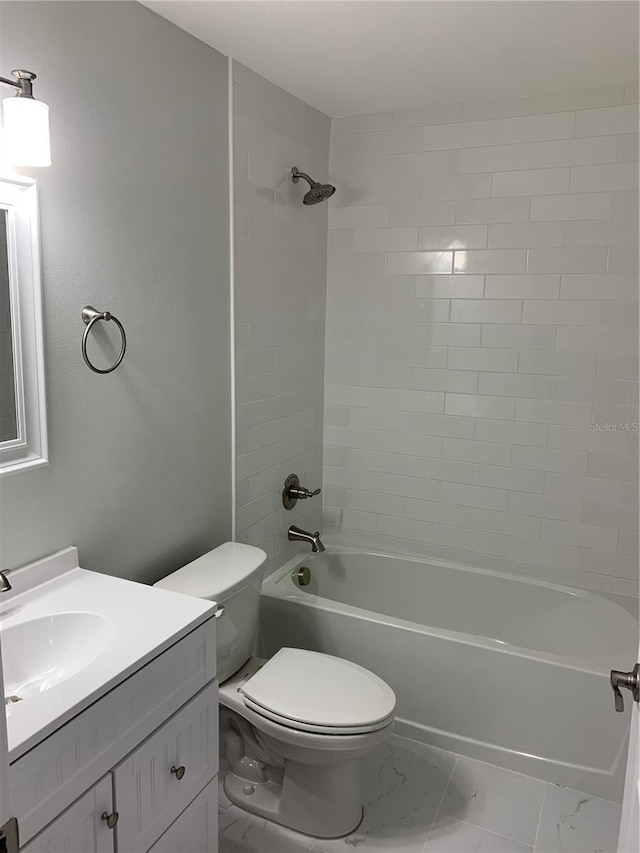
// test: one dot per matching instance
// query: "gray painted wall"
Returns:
(134, 219)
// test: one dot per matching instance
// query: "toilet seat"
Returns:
(319, 693)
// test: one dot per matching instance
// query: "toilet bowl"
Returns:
(294, 728)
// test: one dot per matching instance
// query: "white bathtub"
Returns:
(507, 670)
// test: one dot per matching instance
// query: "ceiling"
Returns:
(347, 57)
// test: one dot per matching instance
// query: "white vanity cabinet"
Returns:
(168, 781)
(156, 782)
(147, 750)
(80, 827)
(197, 827)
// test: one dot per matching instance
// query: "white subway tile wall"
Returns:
(481, 335)
(280, 290)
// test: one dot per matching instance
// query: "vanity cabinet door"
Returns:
(159, 779)
(79, 829)
(196, 830)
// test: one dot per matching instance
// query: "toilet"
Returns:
(294, 728)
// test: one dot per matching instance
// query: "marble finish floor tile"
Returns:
(240, 832)
(403, 783)
(573, 822)
(418, 799)
(455, 836)
(494, 799)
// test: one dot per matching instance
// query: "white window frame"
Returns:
(19, 197)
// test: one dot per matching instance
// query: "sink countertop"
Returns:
(144, 620)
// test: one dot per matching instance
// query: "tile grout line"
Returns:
(483, 828)
(492, 832)
(544, 797)
(437, 811)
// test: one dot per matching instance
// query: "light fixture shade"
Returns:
(26, 132)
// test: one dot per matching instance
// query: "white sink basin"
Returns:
(41, 653)
(69, 635)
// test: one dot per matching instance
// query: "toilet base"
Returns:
(317, 801)
(306, 781)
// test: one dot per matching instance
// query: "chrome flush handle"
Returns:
(628, 680)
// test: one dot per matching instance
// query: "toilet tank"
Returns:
(230, 575)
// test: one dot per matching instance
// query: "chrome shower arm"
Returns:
(296, 174)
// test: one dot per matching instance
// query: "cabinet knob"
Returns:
(178, 772)
(110, 819)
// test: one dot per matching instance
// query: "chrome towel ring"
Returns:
(91, 316)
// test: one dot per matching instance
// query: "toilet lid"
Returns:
(317, 692)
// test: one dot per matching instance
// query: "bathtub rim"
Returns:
(598, 665)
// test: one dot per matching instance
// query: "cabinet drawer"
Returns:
(196, 830)
(149, 793)
(80, 828)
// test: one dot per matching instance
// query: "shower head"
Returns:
(317, 193)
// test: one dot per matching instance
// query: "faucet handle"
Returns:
(293, 492)
(305, 493)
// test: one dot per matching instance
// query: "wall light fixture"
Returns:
(26, 123)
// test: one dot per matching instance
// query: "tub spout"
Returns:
(296, 534)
